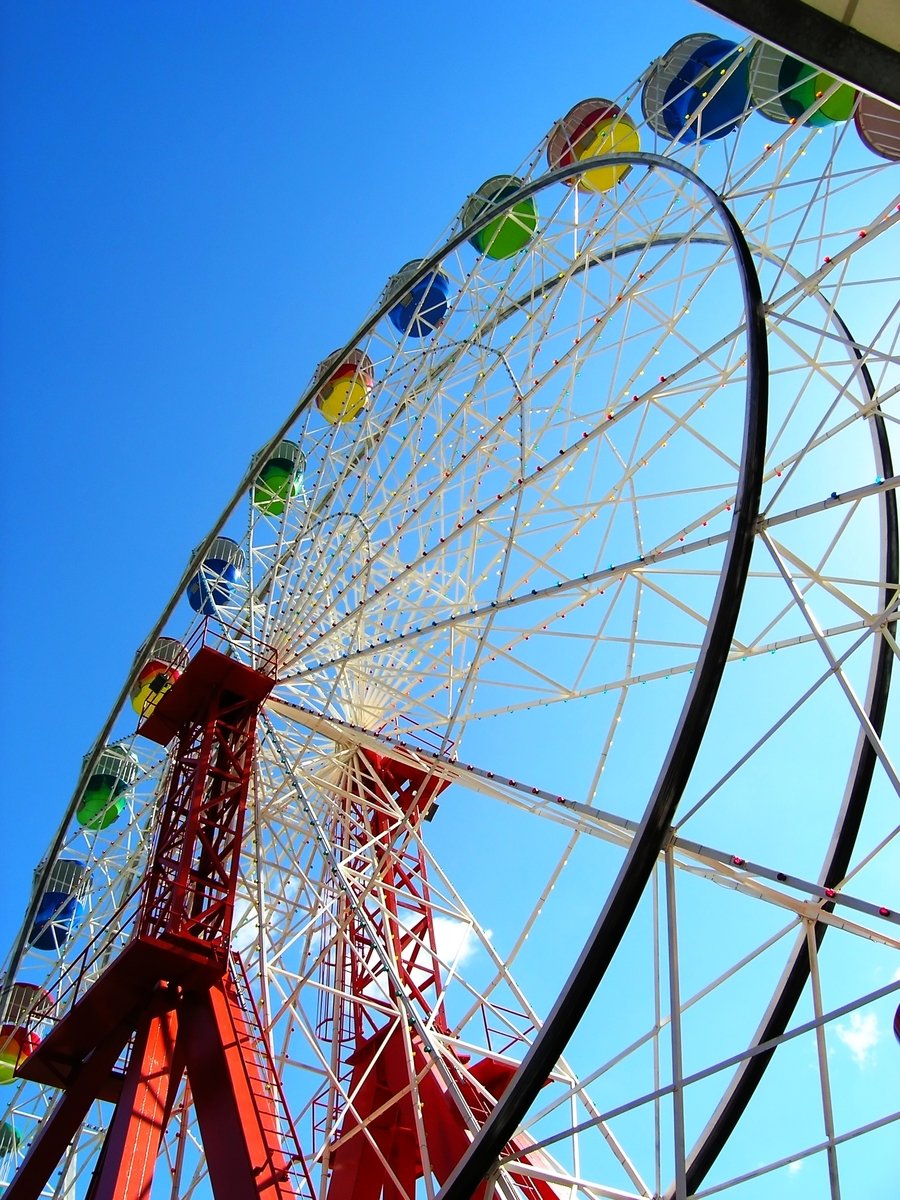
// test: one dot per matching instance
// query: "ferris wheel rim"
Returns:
(305, 401)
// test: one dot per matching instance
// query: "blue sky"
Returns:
(200, 202)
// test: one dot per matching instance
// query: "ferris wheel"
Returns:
(516, 754)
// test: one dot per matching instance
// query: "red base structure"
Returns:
(408, 1116)
(173, 993)
(379, 1155)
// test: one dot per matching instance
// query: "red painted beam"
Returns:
(135, 1134)
(234, 1098)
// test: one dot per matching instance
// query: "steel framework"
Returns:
(174, 997)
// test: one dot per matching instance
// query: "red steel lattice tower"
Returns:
(175, 996)
(407, 1113)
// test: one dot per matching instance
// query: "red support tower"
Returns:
(173, 997)
(385, 1069)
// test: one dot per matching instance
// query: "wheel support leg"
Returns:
(233, 1098)
(125, 1171)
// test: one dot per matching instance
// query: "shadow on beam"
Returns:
(839, 49)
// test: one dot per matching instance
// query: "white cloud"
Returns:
(860, 1036)
(794, 1167)
(455, 940)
